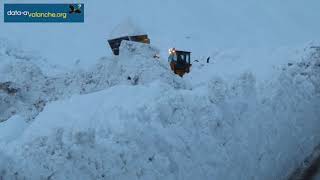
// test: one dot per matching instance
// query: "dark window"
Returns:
(180, 58)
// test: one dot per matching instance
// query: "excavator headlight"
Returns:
(171, 51)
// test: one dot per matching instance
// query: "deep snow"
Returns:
(251, 113)
(186, 24)
(36, 88)
(207, 125)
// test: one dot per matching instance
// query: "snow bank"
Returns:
(22, 70)
(11, 53)
(136, 65)
(222, 129)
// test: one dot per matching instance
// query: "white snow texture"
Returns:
(71, 111)
(157, 125)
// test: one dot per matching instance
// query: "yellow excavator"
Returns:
(179, 61)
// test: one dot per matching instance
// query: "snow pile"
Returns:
(12, 53)
(222, 129)
(136, 65)
(20, 71)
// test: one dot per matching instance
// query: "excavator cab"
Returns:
(179, 61)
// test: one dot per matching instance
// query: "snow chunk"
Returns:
(12, 128)
(130, 48)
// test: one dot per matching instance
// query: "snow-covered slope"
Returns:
(186, 24)
(35, 89)
(251, 113)
(164, 127)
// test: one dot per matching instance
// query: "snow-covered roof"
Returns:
(126, 28)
